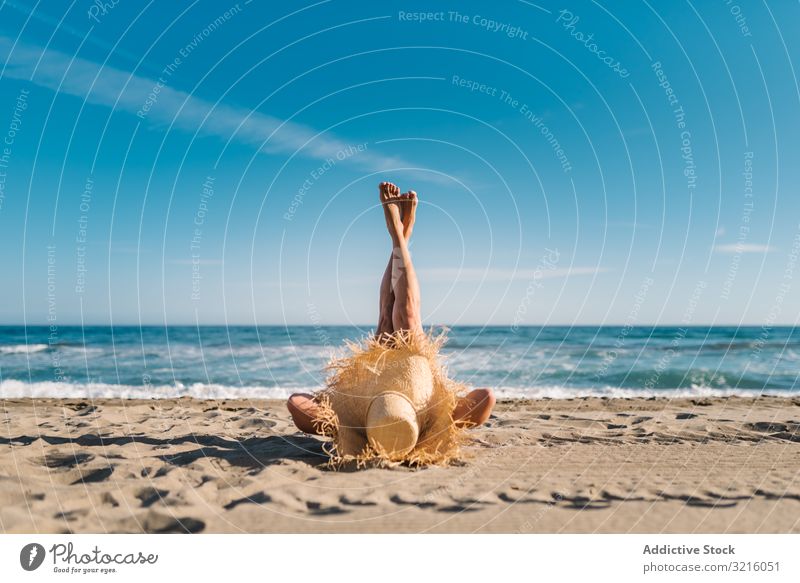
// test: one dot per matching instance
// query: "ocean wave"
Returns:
(562, 392)
(14, 389)
(22, 348)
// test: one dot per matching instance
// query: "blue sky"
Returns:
(577, 162)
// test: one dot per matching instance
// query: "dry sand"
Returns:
(575, 465)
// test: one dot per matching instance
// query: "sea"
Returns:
(213, 362)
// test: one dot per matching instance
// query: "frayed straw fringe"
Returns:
(439, 439)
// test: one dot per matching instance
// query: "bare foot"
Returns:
(390, 198)
(475, 408)
(408, 212)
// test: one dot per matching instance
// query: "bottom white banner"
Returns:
(354, 558)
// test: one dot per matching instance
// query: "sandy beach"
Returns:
(573, 465)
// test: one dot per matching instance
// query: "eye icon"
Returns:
(31, 556)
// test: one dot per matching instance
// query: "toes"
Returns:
(389, 190)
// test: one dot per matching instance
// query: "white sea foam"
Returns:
(14, 389)
(561, 392)
(22, 348)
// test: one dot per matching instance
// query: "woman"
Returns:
(399, 314)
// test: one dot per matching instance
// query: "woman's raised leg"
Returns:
(408, 213)
(399, 310)
(403, 277)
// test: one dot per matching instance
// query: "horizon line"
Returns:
(351, 325)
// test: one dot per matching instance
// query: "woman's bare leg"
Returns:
(471, 411)
(408, 212)
(302, 407)
(407, 302)
(304, 411)
(399, 310)
(475, 408)
(386, 304)
(404, 284)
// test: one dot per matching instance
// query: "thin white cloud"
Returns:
(630, 224)
(204, 262)
(480, 274)
(488, 274)
(111, 87)
(744, 248)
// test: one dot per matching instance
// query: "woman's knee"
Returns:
(483, 401)
(484, 397)
(475, 408)
(297, 400)
(304, 412)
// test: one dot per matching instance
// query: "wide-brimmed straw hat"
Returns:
(390, 400)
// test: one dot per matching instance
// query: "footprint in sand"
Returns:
(682, 416)
(108, 498)
(511, 499)
(399, 500)
(57, 459)
(256, 423)
(87, 476)
(323, 509)
(582, 502)
(149, 496)
(155, 523)
(71, 515)
(71, 468)
(703, 502)
(457, 508)
(348, 501)
(257, 498)
(767, 427)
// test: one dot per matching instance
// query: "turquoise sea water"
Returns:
(213, 362)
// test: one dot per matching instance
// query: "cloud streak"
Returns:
(123, 91)
(744, 248)
(477, 274)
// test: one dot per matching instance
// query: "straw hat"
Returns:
(391, 400)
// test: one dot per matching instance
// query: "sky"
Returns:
(577, 163)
